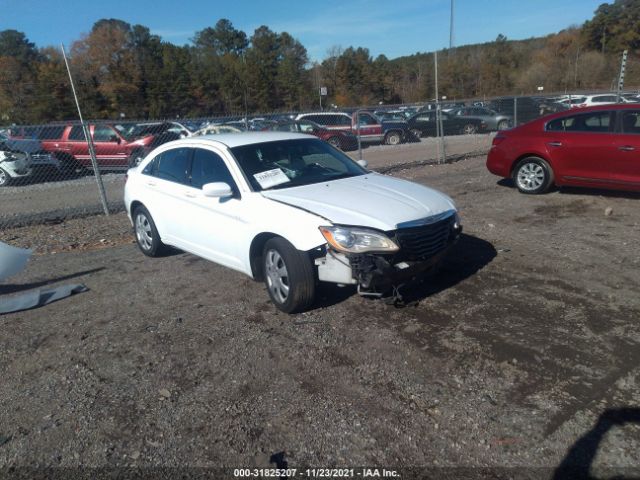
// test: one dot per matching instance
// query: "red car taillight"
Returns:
(498, 139)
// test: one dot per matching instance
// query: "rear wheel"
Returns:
(288, 275)
(147, 235)
(69, 167)
(334, 142)
(392, 138)
(135, 158)
(533, 175)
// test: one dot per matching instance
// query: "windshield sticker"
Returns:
(271, 178)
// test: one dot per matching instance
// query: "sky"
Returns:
(388, 27)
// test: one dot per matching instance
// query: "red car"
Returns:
(596, 147)
(338, 138)
(113, 149)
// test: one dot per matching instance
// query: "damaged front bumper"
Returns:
(421, 250)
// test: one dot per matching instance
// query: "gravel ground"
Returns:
(522, 354)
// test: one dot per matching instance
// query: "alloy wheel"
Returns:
(530, 176)
(144, 233)
(277, 276)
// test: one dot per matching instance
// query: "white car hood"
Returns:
(370, 200)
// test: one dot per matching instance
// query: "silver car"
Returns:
(23, 158)
(493, 119)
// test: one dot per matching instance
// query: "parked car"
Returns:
(589, 147)
(338, 138)
(423, 124)
(451, 106)
(592, 100)
(115, 150)
(21, 158)
(363, 123)
(524, 108)
(288, 209)
(493, 119)
(181, 130)
(216, 129)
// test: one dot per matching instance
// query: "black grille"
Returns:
(418, 243)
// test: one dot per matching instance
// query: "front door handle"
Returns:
(627, 148)
(555, 144)
(189, 194)
(151, 184)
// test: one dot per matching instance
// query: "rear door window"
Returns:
(173, 165)
(77, 133)
(596, 122)
(630, 122)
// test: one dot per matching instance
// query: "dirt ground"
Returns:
(522, 356)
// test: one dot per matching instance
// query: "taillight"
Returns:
(497, 140)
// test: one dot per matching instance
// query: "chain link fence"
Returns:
(46, 171)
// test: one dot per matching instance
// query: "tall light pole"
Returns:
(451, 28)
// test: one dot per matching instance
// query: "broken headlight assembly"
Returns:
(357, 240)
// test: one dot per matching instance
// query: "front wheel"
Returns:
(533, 176)
(334, 142)
(503, 125)
(416, 132)
(288, 275)
(392, 138)
(5, 179)
(469, 129)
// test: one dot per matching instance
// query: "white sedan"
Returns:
(288, 209)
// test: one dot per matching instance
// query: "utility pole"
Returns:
(623, 65)
(451, 27)
(439, 125)
(87, 136)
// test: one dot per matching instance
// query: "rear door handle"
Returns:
(627, 148)
(190, 194)
(555, 144)
(151, 184)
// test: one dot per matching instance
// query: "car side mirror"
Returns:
(217, 190)
(363, 163)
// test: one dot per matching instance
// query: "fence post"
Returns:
(515, 111)
(87, 136)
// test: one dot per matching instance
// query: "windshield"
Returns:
(291, 163)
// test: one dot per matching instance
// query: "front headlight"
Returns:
(358, 240)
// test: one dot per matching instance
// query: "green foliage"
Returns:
(614, 27)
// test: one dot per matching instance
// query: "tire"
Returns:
(469, 129)
(392, 138)
(147, 236)
(503, 125)
(5, 178)
(335, 142)
(69, 167)
(135, 158)
(533, 176)
(288, 275)
(416, 132)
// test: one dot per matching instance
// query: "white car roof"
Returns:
(232, 140)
